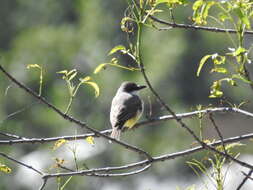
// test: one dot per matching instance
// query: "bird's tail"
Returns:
(115, 134)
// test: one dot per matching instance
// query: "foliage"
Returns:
(215, 174)
(81, 42)
(68, 76)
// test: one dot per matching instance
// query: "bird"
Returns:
(126, 108)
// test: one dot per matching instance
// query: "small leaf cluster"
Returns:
(229, 76)
(215, 162)
(231, 65)
(114, 61)
(36, 66)
(69, 76)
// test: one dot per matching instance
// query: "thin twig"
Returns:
(179, 120)
(190, 114)
(156, 159)
(218, 131)
(26, 140)
(94, 172)
(71, 119)
(122, 174)
(102, 175)
(43, 184)
(194, 27)
(247, 176)
(11, 135)
(21, 163)
(247, 75)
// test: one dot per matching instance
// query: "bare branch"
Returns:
(179, 120)
(51, 139)
(247, 75)
(218, 131)
(190, 114)
(193, 27)
(123, 174)
(26, 140)
(247, 176)
(11, 135)
(94, 172)
(43, 184)
(20, 163)
(71, 119)
(154, 160)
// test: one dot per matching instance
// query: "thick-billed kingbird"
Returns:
(126, 108)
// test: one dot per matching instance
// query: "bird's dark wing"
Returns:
(125, 107)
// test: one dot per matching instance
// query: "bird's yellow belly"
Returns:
(131, 122)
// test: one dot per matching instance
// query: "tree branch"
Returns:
(43, 184)
(71, 119)
(160, 158)
(194, 27)
(151, 121)
(218, 132)
(179, 120)
(20, 163)
(247, 176)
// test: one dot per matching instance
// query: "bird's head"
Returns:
(130, 87)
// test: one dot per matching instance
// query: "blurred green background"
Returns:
(78, 34)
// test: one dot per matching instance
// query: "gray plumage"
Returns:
(126, 105)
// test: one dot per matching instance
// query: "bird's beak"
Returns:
(141, 87)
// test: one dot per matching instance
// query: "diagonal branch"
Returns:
(179, 120)
(247, 176)
(194, 27)
(156, 159)
(71, 119)
(20, 163)
(11, 135)
(43, 184)
(218, 131)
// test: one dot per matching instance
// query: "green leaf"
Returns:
(95, 86)
(223, 17)
(171, 2)
(201, 10)
(123, 24)
(59, 143)
(153, 11)
(100, 67)
(216, 89)
(232, 82)
(114, 60)
(209, 4)
(202, 62)
(33, 66)
(71, 72)
(243, 17)
(90, 140)
(123, 67)
(85, 79)
(216, 94)
(197, 4)
(63, 72)
(239, 51)
(219, 70)
(232, 145)
(72, 76)
(218, 59)
(116, 49)
(241, 77)
(4, 168)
